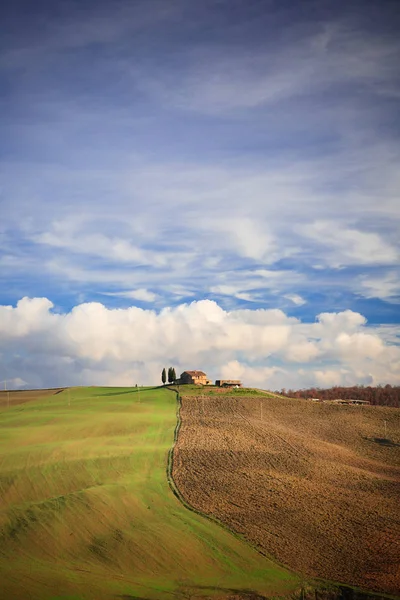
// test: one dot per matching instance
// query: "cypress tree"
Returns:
(163, 376)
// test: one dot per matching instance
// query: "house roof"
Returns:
(196, 373)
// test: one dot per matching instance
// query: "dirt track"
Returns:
(314, 485)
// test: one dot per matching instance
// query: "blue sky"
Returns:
(159, 154)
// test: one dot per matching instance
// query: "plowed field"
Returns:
(14, 397)
(314, 485)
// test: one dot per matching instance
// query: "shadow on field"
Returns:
(132, 391)
(382, 441)
(231, 593)
(311, 593)
(128, 597)
(197, 591)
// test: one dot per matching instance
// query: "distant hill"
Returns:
(387, 395)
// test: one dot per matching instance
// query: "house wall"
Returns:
(192, 379)
(228, 382)
(186, 378)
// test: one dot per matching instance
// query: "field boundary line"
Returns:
(178, 495)
(311, 585)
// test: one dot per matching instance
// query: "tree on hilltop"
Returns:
(163, 376)
(171, 375)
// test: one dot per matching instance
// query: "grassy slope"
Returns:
(213, 390)
(86, 510)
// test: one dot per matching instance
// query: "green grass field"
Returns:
(87, 512)
(213, 391)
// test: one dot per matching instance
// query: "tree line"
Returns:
(386, 395)
(171, 375)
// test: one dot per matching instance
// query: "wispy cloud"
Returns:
(164, 153)
(140, 294)
(214, 80)
(385, 286)
(296, 299)
(346, 246)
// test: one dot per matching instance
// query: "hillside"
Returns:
(387, 395)
(315, 485)
(87, 513)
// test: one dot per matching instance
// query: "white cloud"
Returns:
(235, 291)
(31, 315)
(139, 294)
(228, 79)
(296, 299)
(261, 167)
(15, 383)
(256, 375)
(252, 285)
(385, 286)
(358, 345)
(302, 352)
(345, 246)
(92, 344)
(268, 202)
(178, 291)
(248, 237)
(228, 290)
(100, 245)
(330, 377)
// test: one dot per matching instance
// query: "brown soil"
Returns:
(14, 397)
(314, 485)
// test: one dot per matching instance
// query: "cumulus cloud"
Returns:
(333, 322)
(92, 344)
(330, 377)
(15, 383)
(257, 375)
(302, 352)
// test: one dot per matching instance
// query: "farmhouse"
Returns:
(351, 401)
(228, 383)
(194, 377)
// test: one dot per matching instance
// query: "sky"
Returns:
(208, 185)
